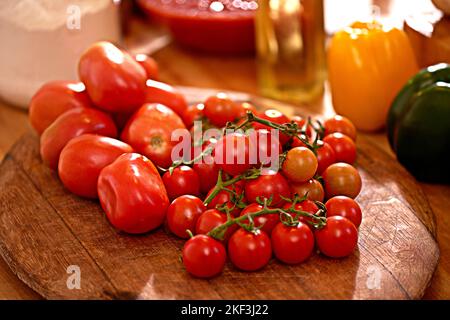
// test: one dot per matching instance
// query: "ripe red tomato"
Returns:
(325, 156)
(312, 187)
(338, 238)
(340, 124)
(341, 179)
(114, 80)
(226, 197)
(300, 164)
(243, 107)
(292, 245)
(344, 147)
(149, 132)
(69, 125)
(249, 251)
(183, 213)
(83, 158)
(53, 99)
(276, 117)
(220, 109)
(182, 180)
(268, 147)
(296, 142)
(203, 256)
(268, 221)
(211, 219)
(132, 194)
(232, 153)
(207, 173)
(193, 113)
(159, 92)
(301, 123)
(345, 207)
(272, 184)
(307, 206)
(149, 64)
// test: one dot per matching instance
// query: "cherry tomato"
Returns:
(53, 99)
(276, 117)
(159, 92)
(292, 245)
(132, 194)
(193, 113)
(340, 124)
(300, 164)
(345, 207)
(338, 238)
(207, 173)
(341, 179)
(249, 251)
(307, 206)
(149, 64)
(182, 180)
(243, 107)
(268, 221)
(69, 125)
(296, 142)
(325, 156)
(344, 147)
(211, 219)
(114, 80)
(268, 147)
(270, 185)
(83, 158)
(149, 132)
(232, 153)
(301, 125)
(220, 109)
(203, 256)
(182, 215)
(312, 187)
(225, 197)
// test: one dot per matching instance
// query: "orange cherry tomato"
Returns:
(342, 179)
(300, 164)
(312, 187)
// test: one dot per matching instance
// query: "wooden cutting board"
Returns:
(45, 231)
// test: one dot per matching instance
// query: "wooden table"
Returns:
(231, 73)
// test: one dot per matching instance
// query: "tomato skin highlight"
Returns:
(342, 179)
(267, 221)
(69, 125)
(82, 160)
(159, 92)
(132, 194)
(338, 238)
(345, 207)
(203, 256)
(249, 251)
(292, 245)
(344, 147)
(272, 184)
(182, 215)
(182, 181)
(114, 80)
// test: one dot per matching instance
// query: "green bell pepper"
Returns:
(418, 124)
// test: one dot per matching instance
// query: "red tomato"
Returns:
(312, 187)
(53, 99)
(341, 179)
(183, 180)
(83, 158)
(114, 80)
(203, 256)
(183, 213)
(301, 124)
(69, 125)
(272, 184)
(325, 156)
(132, 194)
(268, 147)
(193, 113)
(307, 206)
(207, 174)
(149, 64)
(340, 124)
(226, 197)
(232, 153)
(338, 238)
(296, 142)
(211, 219)
(243, 107)
(149, 132)
(220, 109)
(249, 251)
(344, 147)
(292, 245)
(159, 92)
(276, 117)
(268, 221)
(345, 207)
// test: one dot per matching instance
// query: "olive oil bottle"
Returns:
(290, 41)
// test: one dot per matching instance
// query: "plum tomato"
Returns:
(203, 256)
(207, 174)
(267, 221)
(149, 132)
(300, 164)
(69, 125)
(340, 124)
(182, 180)
(232, 153)
(83, 158)
(211, 219)
(270, 185)
(345, 207)
(344, 147)
(292, 245)
(341, 179)
(132, 194)
(159, 92)
(220, 109)
(194, 112)
(276, 117)
(114, 80)
(338, 238)
(149, 64)
(182, 215)
(249, 250)
(325, 156)
(312, 187)
(53, 99)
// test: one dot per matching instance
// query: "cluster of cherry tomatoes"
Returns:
(109, 136)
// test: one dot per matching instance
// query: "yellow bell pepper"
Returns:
(368, 64)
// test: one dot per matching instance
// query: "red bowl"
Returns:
(220, 26)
